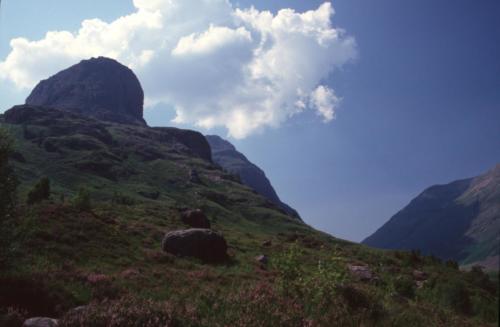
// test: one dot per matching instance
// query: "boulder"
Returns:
(267, 243)
(363, 273)
(262, 259)
(41, 322)
(419, 275)
(194, 177)
(204, 244)
(98, 87)
(195, 218)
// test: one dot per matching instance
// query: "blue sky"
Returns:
(420, 104)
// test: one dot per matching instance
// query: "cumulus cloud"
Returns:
(324, 100)
(217, 65)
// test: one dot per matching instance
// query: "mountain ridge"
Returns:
(459, 220)
(230, 159)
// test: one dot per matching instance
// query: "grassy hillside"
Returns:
(107, 256)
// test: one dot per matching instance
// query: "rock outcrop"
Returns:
(98, 87)
(362, 273)
(41, 322)
(204, 244)
(60, 130)
(195, 218)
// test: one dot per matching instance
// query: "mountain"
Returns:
(459, 221)
(226, 155)
(100, 87)
(121, 224)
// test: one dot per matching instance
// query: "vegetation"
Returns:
(40, 192)
(82, 200)
(102, 249)
(8, 195)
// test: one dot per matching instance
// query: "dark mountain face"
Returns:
(63, 132)
(226, 156)
(99, 87)
(459, 221)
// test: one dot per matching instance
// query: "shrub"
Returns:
(453, 293)
(35, 294)
(119, 198)
(480, 279)
(452, 264)
(315, 288)
(40, 192)
(405, 286)
(12, 317)
(82, 200)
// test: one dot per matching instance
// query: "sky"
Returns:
(352, 108)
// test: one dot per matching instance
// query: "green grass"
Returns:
(117, 243)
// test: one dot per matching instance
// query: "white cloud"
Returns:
(243, 69)
(324, 100)
(210, 41)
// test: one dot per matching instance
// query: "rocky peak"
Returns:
(98, 87)
(218, 144)
(227, 156)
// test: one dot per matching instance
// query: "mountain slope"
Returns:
(90, 252)
(108, 257)
(459, 221)
(226, 155)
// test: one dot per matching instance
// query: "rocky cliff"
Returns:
(99, 87)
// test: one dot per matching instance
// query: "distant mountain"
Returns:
(459, 221)
(98, 87)
(226, 156)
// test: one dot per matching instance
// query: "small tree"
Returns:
(8, 186)
(40, 192)
(82, 200)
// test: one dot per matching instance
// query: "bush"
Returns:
(453, 293)
(82, 200)
(40, 192)
(315, 288)
(34, 294)
(405, 286)
(452, 264)
(119, 198)
(12, 317)
(480, 279)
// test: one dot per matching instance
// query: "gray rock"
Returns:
(78, 310)
(419, 275)
(267, 243)
(98, 87)
(195, 218)
(41, 322)
(194, 177)
(363, 273)
(204, 244)
(262, 259)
